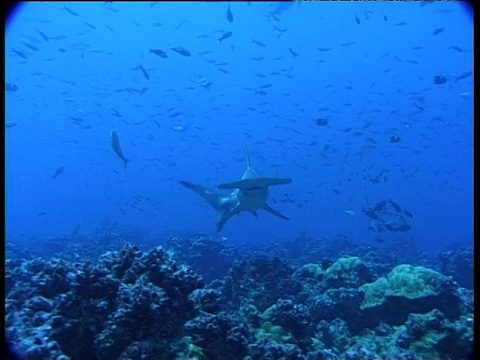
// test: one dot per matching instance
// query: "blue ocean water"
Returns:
(366, 68)
(361, 112)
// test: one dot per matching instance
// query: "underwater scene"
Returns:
(239, 180)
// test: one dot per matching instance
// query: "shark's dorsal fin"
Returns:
(247, 155)
(249, 172)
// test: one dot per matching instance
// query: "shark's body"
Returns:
(249, 194)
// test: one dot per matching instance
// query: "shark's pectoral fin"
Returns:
(215, 199)
(274, 212)
(260, 182)
(254, 212)
(226, 215)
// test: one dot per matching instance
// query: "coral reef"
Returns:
(208, 256)
(349, 271)
(409, 289)
(458, 264)
(129, 305)
(291, 304)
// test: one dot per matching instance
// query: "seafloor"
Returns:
(115, 294)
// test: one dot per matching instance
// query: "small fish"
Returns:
(91, 26)
(181, 50)
(58, 172)
(357, 20)
(11, 87)
(144, 72)
(258, 58)
(117, 148)
(394, 138)
(400, 24)
(409, 214)
(21, 54)
(70, 11)
(456, 48)
(349, 212)
(116, 113)
(438, 30)
(159, 52)
(9, 125)
(259, 43)
(41, 213)
(329, 48)
(224, 36)
(179, 128)
(463, 75)
(44, 37)
(30, 46)
(385, 18)
(260, 92)
(180, 25)
(229, 14)
(439, 79)
(294, 54)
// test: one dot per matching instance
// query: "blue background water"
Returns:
(370, 85)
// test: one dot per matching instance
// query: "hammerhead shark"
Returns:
(249, 194)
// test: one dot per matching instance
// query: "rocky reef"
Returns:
(172, 302)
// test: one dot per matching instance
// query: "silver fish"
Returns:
(225, 35)
(58, 172)
(117, 148)
(229, 14)
(181, 50)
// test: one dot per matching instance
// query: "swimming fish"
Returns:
(409, 214)
(229, 14)
(159, 52)
(21, 54)
(181, 50)
(70, 11)
(259, 43)
(144, 72)
(58, 172)
(9, 125)
(438, 30)
(11, 87)
(294, 54)
(117, 148)
(224, 36)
